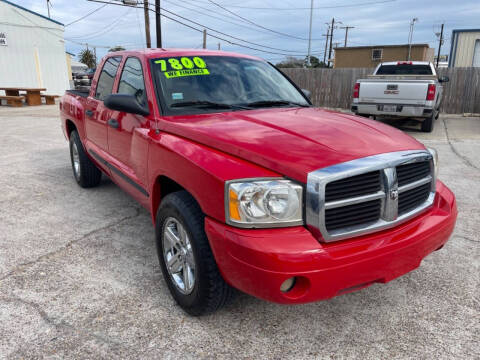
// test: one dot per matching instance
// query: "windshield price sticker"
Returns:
(174, 67)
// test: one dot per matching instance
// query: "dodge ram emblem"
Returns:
(394, 194)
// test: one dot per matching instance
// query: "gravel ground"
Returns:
(79, 276)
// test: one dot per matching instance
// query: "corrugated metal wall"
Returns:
(35, 51)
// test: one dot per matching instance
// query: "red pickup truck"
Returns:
(250, 186)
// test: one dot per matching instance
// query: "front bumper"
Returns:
(258, 261)
(402, 110)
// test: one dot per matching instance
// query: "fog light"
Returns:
(287, 285)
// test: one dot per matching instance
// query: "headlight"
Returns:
(263, 203)
(435, 161)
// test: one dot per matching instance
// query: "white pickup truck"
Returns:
(406, 89)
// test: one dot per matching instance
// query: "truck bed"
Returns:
(82, 93)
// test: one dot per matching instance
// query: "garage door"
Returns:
(476, 54)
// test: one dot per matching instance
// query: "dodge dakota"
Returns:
(248, 185)
(403, 89)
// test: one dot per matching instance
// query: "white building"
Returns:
(32, 50)
(465, 50)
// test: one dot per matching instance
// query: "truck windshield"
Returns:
(404, 69)
(205, 83)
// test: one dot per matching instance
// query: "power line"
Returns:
(222, 33)
(212, 16)
(209, 34)
(103, 30)
(90, 13)
(305, 8)
(254, 23)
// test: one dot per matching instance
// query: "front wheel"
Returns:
(184, 253)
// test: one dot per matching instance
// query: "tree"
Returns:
(290, 62)
(316, 63)
(88, 58)
(293, 62)
(116, 48)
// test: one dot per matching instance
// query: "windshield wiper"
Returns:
(274, 103)
(209, 104)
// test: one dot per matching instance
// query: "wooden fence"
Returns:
(333, 87)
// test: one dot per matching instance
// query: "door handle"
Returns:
(89, 113)
(113, 123)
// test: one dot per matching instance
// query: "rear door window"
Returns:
(132, 82)
(107, 78)
(404, 69)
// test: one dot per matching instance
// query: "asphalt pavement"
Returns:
(79, 275)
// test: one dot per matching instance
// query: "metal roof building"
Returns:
(32, 50)
(465, 48)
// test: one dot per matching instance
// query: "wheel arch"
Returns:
(69, 127)
(163, 186)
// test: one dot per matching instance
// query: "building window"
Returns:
(476, 54)
(377, 54)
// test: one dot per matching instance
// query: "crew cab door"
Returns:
(96, 114)
(128, 134)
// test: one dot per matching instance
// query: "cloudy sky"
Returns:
(279, 27)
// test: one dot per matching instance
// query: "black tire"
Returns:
(87, 175)
(427, 124)
(210, 292)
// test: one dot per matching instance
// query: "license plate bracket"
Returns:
(390, 108)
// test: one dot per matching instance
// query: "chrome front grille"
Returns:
(411, 172)
(350, 215)
(358, 185)
(409, 200)
(369, 194)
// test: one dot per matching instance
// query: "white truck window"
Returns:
(404, 69)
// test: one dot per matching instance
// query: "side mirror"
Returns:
(443, 79)
(125, 103)
(307, 93)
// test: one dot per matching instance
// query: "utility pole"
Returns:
(219, 46)
(158, 24)
(310, 34)
(440, 43)
(410, 37)
(48, 8)
(327, 36)
(204, 38)
(346, 32)
(147, 23)
(331, 39)
(95, 54)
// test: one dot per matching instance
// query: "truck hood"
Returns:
(291, 141)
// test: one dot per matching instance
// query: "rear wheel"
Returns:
(184, 253)
(84, 170)
(427, 124)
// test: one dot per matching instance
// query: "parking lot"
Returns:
(79, 276)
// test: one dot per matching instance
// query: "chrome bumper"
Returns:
(402, 110)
